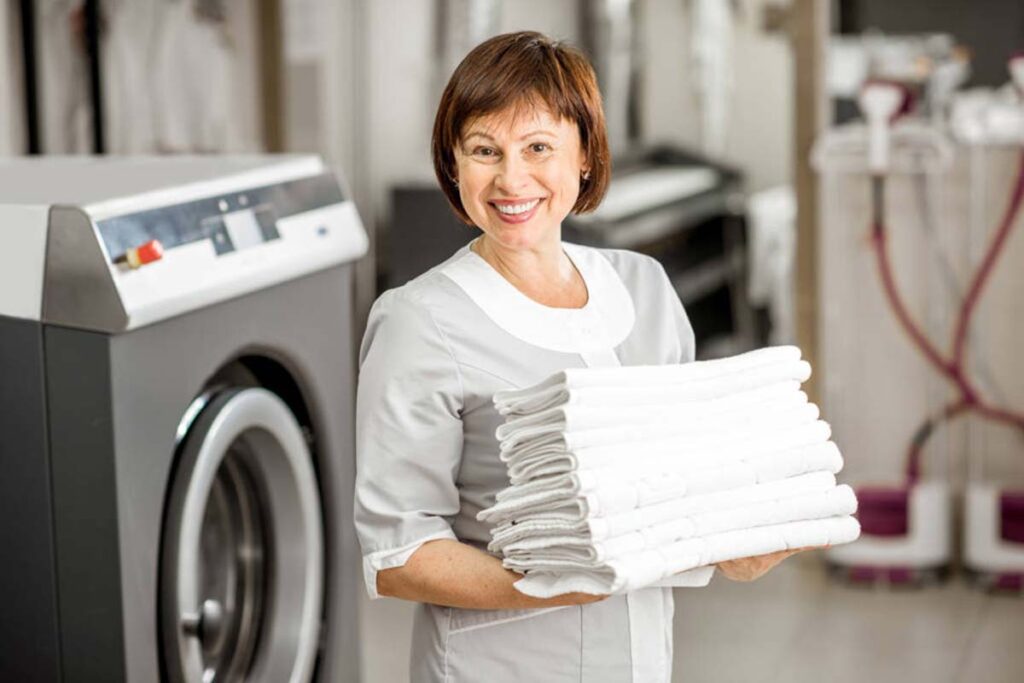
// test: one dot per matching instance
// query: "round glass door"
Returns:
(242, 553)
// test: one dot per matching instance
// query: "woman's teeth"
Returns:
(513, 209)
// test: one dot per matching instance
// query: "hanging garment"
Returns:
(66, 115)
(194, 76)
(132, 30)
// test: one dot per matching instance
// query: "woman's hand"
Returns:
(453, 574)
(751, 568)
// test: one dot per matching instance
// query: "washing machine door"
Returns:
(242, 553)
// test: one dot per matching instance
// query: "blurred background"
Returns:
(840, 174)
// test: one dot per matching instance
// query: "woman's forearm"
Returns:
(453, 574)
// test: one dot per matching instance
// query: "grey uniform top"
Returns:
(435, 352)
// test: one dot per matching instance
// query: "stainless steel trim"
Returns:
(251, 430)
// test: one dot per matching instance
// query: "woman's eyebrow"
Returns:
(539, 131)
(476, 134)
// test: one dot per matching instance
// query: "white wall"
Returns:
(759, 131)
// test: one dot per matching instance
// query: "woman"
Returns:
(519, 142)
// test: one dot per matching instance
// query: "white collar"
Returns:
(601, 325)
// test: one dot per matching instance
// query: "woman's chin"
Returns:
(523, 235)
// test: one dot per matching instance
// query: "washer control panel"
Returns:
(229, 222)
(184, 243)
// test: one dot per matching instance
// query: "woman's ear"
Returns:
(584, 165)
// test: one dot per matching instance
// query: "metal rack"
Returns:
(687, 212)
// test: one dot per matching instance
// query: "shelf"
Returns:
(700, 280)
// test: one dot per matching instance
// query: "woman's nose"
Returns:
(512, 174)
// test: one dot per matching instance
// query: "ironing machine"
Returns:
(906, 527)
(994, 514)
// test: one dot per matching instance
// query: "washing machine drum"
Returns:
(241, 577)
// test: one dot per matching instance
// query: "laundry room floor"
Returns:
(795, 626)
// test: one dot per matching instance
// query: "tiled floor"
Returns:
(794, 626)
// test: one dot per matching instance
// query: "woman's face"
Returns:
(519, 175)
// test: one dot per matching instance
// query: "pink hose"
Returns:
(953, 369)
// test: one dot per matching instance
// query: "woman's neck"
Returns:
(545, 273)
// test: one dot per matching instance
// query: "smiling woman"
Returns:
(550, 90)
(519, 143)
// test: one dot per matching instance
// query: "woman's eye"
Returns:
(485, 151)
(540, 147)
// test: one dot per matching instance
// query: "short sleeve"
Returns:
(684, 330)
(408, 435)
(697, 577)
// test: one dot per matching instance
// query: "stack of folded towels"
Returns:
(622, 477)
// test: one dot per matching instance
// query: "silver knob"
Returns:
(205, 624)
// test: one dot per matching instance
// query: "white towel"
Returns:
(643, 569)
(600, 528)
(579, 417)
(636, 460)
(636, 393)
(668, 449)
(623, 477)
(652, 375)
(621, 494)
(771, 417)
(839, 500)
(628, 469)
(659, 456)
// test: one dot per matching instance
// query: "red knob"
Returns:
(144, 253)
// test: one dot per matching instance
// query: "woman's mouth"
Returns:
(516, 212)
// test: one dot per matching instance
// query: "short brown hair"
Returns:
(523, 69)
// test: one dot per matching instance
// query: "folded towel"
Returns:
(638, 459)
(839, 500)
(656, 457)
(653, 375)
(600, 528)
(684, 462)
(772, 417)
(579, 417)
(636, 393)
(645, 568)
(624, 477)
(620, 493)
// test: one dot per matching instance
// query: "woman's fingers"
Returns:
(756, 566)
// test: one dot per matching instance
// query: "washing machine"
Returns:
(176, 410)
